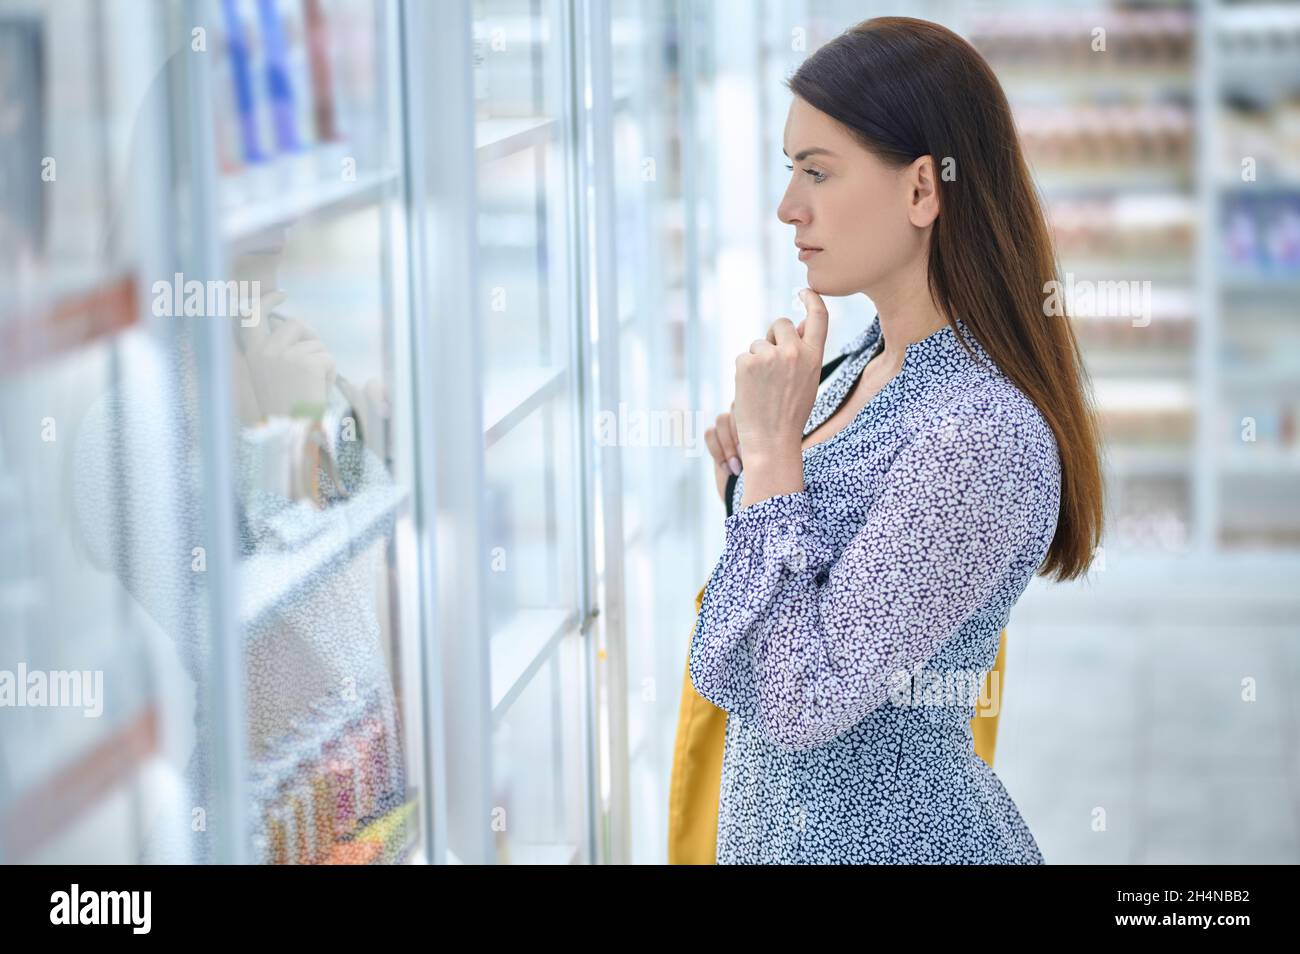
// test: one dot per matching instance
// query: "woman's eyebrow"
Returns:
(814, 151)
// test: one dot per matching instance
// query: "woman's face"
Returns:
(842, 199)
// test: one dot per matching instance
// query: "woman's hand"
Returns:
(776, 384)
(724, 446)
(288, 365)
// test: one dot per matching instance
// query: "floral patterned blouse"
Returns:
(847, 627)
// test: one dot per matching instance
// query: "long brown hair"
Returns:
(908, 88)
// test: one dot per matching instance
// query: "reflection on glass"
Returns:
(307, 191)
(316, 505)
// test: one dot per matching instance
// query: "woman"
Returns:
(884, 528)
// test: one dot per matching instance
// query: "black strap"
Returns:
(827, 370)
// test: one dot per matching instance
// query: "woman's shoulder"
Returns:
(987, 451)
(986, 410)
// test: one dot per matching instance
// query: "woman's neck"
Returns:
(907, 314)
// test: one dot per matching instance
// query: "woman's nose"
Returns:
(790, 211)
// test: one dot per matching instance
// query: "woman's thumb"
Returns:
(813, 327)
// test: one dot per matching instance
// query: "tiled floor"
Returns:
(1136, 743)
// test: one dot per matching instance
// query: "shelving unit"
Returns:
(512, 482)
(338, 534)
(1254, 86)
(520, 648)
(326, 222)
(497, 138)
(1195, 344)
(510, 398)
(1111, 137)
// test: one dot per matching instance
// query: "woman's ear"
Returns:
(923, 192)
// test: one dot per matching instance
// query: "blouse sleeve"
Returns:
(811, 642)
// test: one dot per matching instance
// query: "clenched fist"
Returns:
(776, 385)
(724, 446)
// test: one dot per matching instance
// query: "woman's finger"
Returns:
(715, 446)
(287, 333)
(727, 438)
(720, 469)
(759, 345)
(815, 324)
(735, 439)
(782, 330)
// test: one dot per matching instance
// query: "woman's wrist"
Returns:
(771, 473)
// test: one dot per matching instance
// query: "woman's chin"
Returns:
(826, 287)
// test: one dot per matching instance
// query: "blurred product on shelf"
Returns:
(1261, 236)
(286, 79)
(332, 786)
(1142, 419)
(1164, 334)
(1259, 33)
(246, 75)
(278, 79)
(1123, 226)
(1064, 39)
(1105, 136)
(1265, 133)
(322, 82)
(504, 52)
(284, 459)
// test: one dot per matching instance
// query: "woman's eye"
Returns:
(817, 176)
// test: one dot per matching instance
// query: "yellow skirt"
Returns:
(697, 764)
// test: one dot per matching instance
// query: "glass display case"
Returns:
(534, 653)
(295, 166)
(85, 667)
(219, 299)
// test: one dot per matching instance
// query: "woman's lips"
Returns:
(807, 253)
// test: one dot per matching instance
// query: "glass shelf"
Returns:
(247, 222)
